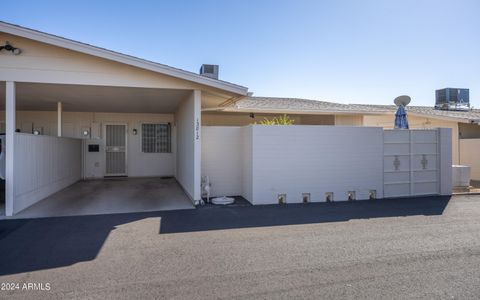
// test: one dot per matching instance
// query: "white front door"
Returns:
(115, 150)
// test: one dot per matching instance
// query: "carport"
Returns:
(112, 195)
(75, 112)
(98, 132)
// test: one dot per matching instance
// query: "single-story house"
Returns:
(465, 125)
(75, 112)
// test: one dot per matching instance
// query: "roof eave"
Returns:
(445, 118)
(298, 112)
(121, 58)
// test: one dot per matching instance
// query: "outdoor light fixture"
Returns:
(135, 131)
(8, 47)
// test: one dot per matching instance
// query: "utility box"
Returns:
(460, 176)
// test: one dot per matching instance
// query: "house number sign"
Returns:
(197, 130)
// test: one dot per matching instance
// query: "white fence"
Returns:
(470, 156)
(312, 163)
(43, 166)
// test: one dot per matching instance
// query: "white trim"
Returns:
(290, 111)
(59, 119)
(10, 124)
(121, 58)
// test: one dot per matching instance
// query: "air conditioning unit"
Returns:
(210, 71)
(452, 99)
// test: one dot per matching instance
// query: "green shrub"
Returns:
(280, 120)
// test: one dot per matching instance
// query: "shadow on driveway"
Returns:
(37, 244)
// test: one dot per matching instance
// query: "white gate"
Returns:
(411, 163)
(115, 150)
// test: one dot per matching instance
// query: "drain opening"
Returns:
(329, 196)
(306, 197)
(351, 196)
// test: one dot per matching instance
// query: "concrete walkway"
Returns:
(119, 195)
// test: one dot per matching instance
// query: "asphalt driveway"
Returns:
(403, 248)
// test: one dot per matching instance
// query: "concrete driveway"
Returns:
(388, 249)
(116, 195)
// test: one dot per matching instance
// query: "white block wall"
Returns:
(222, 159)
(293, 160)
(44, 165)
(261, 162)
(247, 172)
(188, 158)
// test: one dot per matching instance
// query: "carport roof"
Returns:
(120, 57)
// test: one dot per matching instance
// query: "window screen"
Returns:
(156, 138)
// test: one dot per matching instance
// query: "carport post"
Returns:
(10, 112)
(59, 119)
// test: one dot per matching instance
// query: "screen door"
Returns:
(116, 150)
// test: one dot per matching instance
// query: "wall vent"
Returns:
(329, 197)
(282, 198)
(351, 196)
(306, 197)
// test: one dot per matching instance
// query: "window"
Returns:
(156, 138)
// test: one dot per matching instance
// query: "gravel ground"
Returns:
(383, 249)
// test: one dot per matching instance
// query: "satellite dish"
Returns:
(402, 100)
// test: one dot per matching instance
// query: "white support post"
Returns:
(59, 119)
(445, 140)
(197, 98)
(10, 114)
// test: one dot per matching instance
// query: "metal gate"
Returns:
(115, 150)
(411, 163)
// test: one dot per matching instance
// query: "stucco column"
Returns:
(59, 119)
(10, 114)
(197, 98)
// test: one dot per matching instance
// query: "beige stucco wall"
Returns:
(44, 63)
(139, 164)
(387, 121)
(348, 120)
(470, 156)
(242, 119)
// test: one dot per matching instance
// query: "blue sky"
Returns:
(344, 51)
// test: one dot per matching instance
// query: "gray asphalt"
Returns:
(392, 249)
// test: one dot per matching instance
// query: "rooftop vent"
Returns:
(210, 71)
(452, 99)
